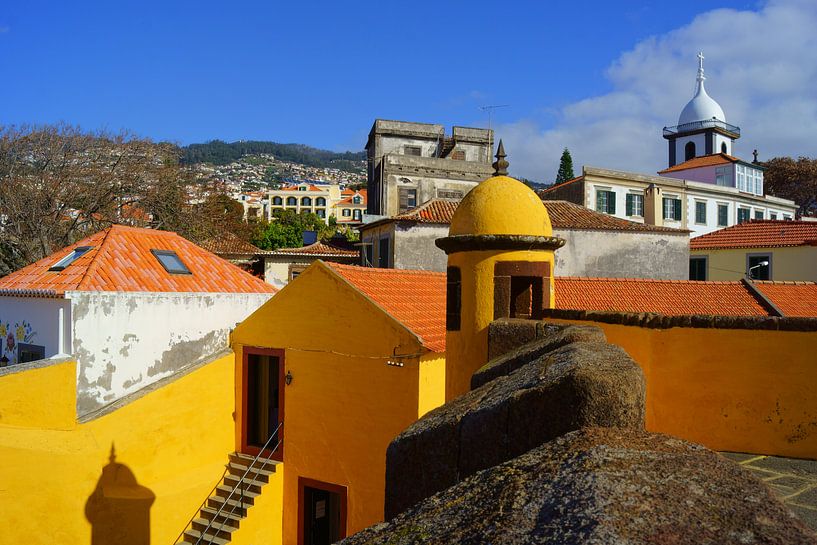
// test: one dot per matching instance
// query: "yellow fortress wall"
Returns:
(174, 445)
(733, 390)
(344, 404)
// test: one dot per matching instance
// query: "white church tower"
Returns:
(702, 128)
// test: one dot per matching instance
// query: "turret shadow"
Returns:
(119, 508)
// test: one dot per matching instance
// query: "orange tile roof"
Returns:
(792, 298)
(670, 297)
(759, 234)
(568, 215)
(317, 249)
(557, 186)
(121, 260)
(311, 187)
(563, 215)
(348, 200)
(433, 211)
(414, 298)
(702, 161)
(228, 243)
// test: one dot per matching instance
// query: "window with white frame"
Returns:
(700, 212)
(744, 214)
(635, 204)
(723, 215)
(605, 201)
(723, 176)
(672, 208)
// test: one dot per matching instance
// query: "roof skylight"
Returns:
(171, 262)
(78, 252)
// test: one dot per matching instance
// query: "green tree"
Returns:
(565, 168)
(286, 230)
(795, 180)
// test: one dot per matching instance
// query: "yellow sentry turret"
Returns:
(500, 264)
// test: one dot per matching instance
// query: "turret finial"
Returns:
(501, 165)
(701, 76)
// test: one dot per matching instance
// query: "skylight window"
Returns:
(78, 252)
(171, 262)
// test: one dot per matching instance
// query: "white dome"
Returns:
(702, 107)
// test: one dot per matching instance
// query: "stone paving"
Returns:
(794, 480)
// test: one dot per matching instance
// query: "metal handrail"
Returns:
(240, 482)
(703, 124)
(189, 522)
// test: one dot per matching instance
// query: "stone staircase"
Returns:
(234, 510)
(446, 146)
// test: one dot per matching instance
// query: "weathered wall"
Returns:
(125, 341)
(31, 320)
(740, 390)
(790, 263)
(622, 254)
(344, 404)
(174, 440)
(415, 248)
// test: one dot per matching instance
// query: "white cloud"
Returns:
(761, 66)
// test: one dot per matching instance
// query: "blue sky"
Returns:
(319, 73)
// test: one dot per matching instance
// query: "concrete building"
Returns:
(757, 249)
(131, 305)
(709, 190)
(597, 245)
(411, 163)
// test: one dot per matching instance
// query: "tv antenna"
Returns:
(490, 111)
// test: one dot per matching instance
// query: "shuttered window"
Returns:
(605, 201)
(408, 198)
(635, 205)
(672, 209)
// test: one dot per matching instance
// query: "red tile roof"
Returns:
(229, 243)
(759, 234)
(670, 297)
(311, 187)
(702, 161)
(348, 200)
(121, 260)
(317, 249)
(414, 298)
(568, 215)
(563, 215)
(433, 211)
(792, 298)
(557, 186)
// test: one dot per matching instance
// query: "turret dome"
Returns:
(702, 107)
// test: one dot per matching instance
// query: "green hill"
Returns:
(218, 152)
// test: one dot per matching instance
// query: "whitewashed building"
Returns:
(709, 190)
(131, 305)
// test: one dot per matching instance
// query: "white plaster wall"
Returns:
(619, 254)
(719, 139)
(126, 341)
(396, 144)
(31, 320)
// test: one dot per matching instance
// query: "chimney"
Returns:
(653, 206)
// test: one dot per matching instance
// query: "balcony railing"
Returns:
(706, 124)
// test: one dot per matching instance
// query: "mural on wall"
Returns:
(10, 339)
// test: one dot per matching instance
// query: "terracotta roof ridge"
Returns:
(648, 280)
(94, 264)
(555, 185)
(384, 271)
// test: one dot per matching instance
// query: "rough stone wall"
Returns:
(126, 341)
(622, 254)
(415, 249)
(573, 382)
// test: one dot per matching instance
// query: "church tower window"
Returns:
(689, 151)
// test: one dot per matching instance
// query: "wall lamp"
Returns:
(288, 377)
(761, 264)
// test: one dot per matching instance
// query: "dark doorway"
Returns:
(322, 512)
(263, 401)
(521, 289)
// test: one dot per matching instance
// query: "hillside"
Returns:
(218, 152)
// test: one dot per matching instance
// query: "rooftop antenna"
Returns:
(490, 110)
